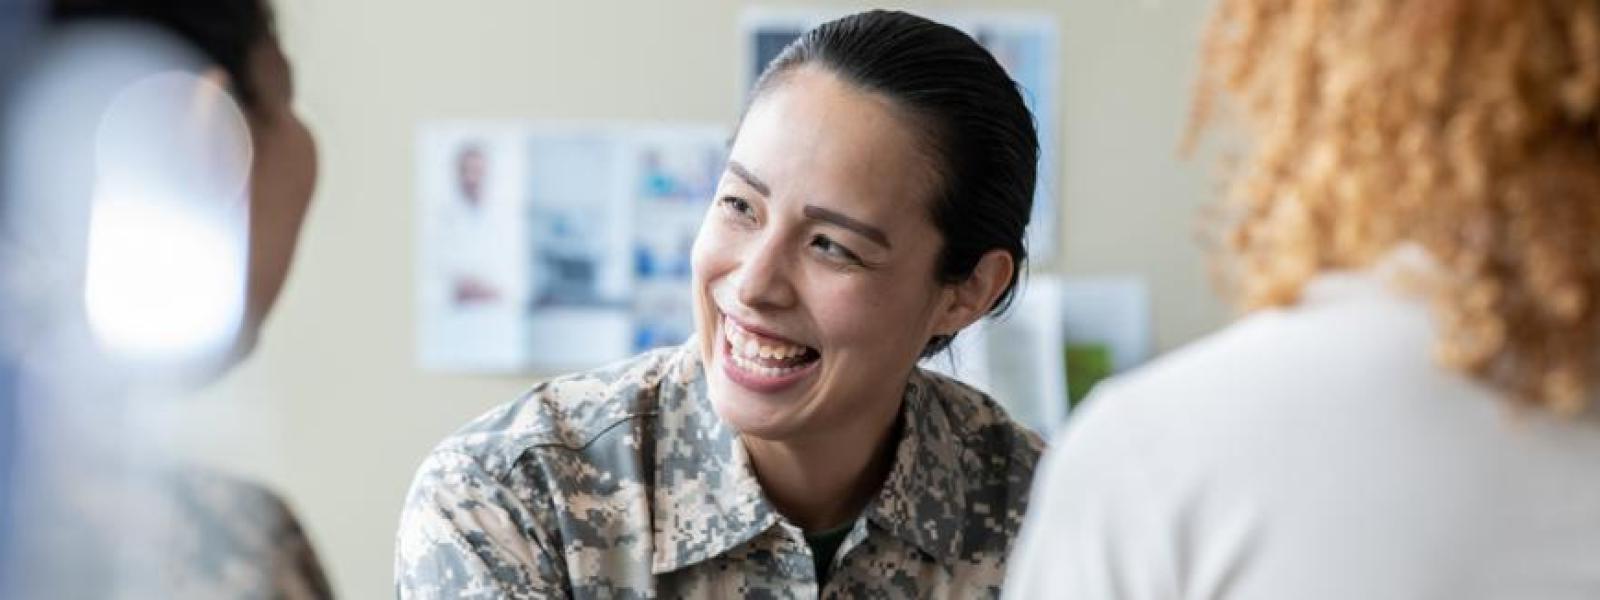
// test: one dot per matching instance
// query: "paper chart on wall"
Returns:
(556, 246)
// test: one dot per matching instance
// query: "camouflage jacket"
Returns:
(173, 535)
(623, 483)
(232, 538)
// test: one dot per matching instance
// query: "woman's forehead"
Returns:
(817, 134)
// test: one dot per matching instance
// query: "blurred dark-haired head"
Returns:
(227, 32)
(236, 46)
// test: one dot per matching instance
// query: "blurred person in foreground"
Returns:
(1406, 410)
(19, 22)
(874, 204)
(97, 528)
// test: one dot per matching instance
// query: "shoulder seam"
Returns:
(547, 444)
(595, 435)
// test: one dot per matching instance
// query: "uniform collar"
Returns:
(708, 501)
(707, 498)
(923, 501)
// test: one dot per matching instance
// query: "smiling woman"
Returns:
(874, 204)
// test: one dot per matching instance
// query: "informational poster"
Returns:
(675, 174)
(1026, 44)
(557, 245)
(472, 273)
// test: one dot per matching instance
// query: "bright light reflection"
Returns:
(168, 226)
(162, 281)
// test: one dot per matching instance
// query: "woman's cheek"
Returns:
(705, 247)
(843, 309)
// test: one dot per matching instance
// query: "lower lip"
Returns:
(761, 383)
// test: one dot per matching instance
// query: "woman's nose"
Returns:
(764, 278)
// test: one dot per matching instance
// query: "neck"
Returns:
(822, 482)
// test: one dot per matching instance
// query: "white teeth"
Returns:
(750, 366)
(745, 345)
(771, 352)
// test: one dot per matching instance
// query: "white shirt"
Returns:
(1314, 452)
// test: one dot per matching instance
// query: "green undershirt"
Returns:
(824, 544)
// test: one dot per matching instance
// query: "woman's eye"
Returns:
(833, 250)
(739, 206)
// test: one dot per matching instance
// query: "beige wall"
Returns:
(332, 409)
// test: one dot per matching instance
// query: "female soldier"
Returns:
(873, 205)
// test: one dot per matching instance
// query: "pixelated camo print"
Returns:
(623, 483)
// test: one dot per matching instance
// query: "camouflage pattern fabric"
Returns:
(175, 535)
(623, 483)
(235, 539)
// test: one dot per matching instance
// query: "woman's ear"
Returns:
(972, 298)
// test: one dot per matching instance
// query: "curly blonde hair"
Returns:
(1468, 127)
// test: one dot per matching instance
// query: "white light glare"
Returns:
(163, 282)
(169, 223)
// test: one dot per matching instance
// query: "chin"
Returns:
(746, 415)
(730, 410)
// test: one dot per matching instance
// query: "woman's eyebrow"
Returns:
(815, 212)
(867, 231)
(749, 177)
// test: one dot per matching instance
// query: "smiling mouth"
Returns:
(764, 360)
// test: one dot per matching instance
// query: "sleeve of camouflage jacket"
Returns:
(296, 572)
(464, 534)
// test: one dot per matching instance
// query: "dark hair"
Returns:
(225, 31)
(977, 127)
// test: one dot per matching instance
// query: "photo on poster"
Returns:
(576, 221)
(663, 315)
(470, 281)
(576, 250)
(675, 176)
(546, 246)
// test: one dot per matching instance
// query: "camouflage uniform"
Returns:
(232, 538)
(182, 534)
(623, 483)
